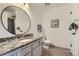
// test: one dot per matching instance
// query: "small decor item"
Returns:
(73, 28)
(39, 28)
(18, 28)
(54, 23)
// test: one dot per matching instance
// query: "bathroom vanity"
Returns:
(16, 22)
(26, 48)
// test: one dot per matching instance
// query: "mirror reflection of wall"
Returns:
(9, 20)
(15, 20)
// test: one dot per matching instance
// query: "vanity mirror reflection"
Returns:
(15, 20)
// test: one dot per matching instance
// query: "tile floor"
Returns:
(55, 51)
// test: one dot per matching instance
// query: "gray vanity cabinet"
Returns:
(31, 49)
(24, 50)
(29, 54)
(37, 48)
(13, 53)
(37, 51)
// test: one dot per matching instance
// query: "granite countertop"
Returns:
(8, 46)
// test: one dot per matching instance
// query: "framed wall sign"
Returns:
(54, 23)
(39, 28)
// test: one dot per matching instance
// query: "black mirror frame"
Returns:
(19, 8)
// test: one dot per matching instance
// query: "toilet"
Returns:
(47, 44)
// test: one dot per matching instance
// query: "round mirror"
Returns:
(15, 20)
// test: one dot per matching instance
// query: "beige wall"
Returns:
(59, 36)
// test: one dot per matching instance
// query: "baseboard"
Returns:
(63, 48)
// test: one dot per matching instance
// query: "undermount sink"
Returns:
(25, 40)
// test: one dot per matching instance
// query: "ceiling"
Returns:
(43, 7)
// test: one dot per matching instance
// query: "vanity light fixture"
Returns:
(26, 5)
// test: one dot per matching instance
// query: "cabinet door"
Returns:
(36, 44)
(24, 50)
(10, 54)
(29, 54)
(37, 51)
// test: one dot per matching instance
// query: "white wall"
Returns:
(75, 38)
(3, 32)
(21, 21)
(34, 16)
(59, 36)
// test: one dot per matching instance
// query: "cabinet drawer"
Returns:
(24, 50)
(10, 54)
(36, 44)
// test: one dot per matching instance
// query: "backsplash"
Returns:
(27, 36)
